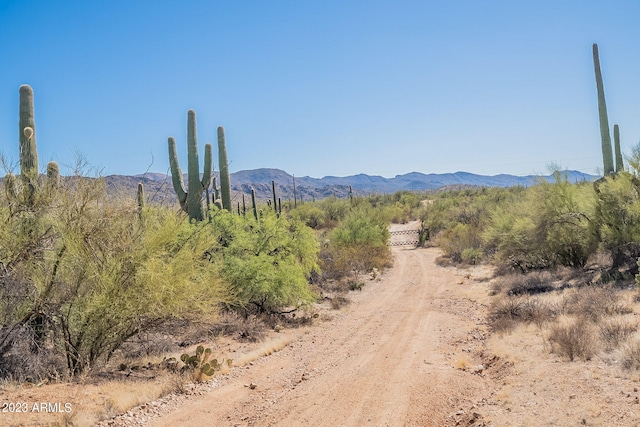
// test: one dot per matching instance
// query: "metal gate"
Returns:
(404, 238)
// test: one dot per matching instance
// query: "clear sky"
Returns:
(322, 87)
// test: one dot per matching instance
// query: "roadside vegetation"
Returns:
(565, 256)
(91, 284)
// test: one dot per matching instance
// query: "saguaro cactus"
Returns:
(225, 183)
(140, 196)
(191, 198)
(28, 147)
(295, 196)
(617, 150)
(253, 203)
(273, 190)
(605, 135)
(244, 206)
(53, 175)
(29, 154)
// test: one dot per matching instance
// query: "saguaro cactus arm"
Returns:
(176, 174)
(207, 173)
(618, 151)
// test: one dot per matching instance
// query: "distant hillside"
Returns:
(159, 189)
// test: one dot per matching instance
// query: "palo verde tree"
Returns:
(267, 262)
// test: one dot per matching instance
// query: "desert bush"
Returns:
(86, 275)
(631, 354)
(267, 262)
(595, 303)
(310, 214)
(471, 255)
(335, 210)
(507, 311)
(574, 339)
(397, 213)
(550, 225)
(504, 313)
(460, 238)
(357, 245)
(339, 300)
(617, 218)
(614, 331)
(520, 284)
(249, 328)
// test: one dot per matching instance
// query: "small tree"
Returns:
(268, 263)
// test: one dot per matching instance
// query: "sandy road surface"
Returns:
(384, 360)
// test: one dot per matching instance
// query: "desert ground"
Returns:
(413, 348)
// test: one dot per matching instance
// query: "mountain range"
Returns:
(159, 187)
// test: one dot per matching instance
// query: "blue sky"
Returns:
(330, 87)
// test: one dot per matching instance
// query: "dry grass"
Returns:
(462, 363)
(120, 396)
(615, 331)
(631, 355)
(266, 349)
(595, 302)
(574, 338)
(506, 312)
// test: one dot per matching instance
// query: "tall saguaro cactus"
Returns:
(29, 155)
(605, 135)
(223, 161)
(191, 198)
(28, 147)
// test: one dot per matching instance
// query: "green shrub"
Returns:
(310, 214)
(462, 237)
(268, 262)
(357, 245)
(617, 218)
(471, 255)
(549, 226)
(335, 210)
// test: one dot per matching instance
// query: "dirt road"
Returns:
(390, 358)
